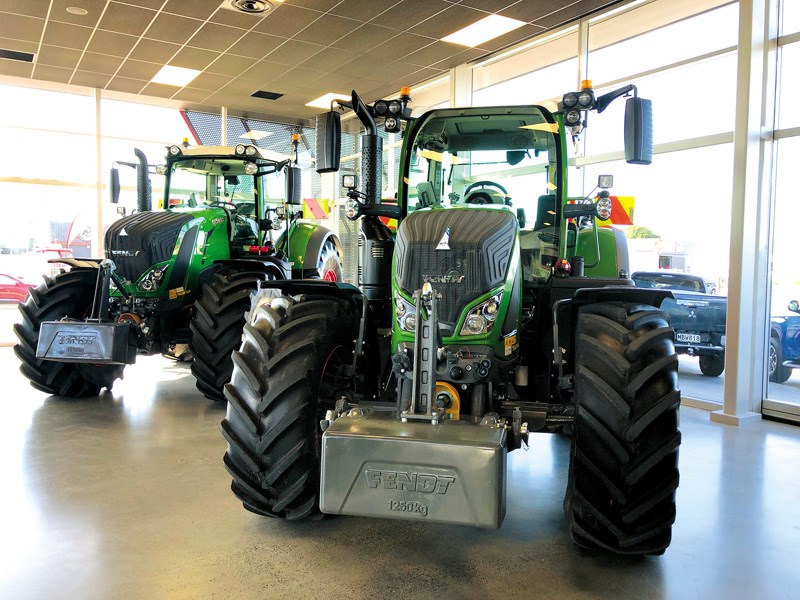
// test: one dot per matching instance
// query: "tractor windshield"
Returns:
(505, 159)
(207, 181)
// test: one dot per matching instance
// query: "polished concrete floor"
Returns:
(125, 496)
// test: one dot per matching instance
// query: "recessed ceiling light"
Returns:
(177, 76)
(255, 134)
(325, 101)
(484, 30)
(77, 10)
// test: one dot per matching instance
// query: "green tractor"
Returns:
(176, 281)
(500, 308)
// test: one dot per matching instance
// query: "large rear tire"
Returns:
(217, 325)
(624, 460)
(68, 294)
(291, 364)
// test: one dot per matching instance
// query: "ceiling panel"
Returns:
(21, 27)
(301, 48)
(58, 57)
(172, 28)
(30, 8)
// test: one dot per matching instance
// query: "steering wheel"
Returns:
(485, 197)
(247, 209)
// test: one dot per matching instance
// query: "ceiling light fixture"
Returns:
(177, 76)
(251, 6)
(77, 10)
(255, 134)
(325, 101)
(484, 30)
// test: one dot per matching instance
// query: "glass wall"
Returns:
(783, 349)
(49, 174)
(682, 201)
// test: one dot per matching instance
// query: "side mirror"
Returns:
(521, 218)
(329, 141)
(514, 157)
(794, 306)
(113, 185)
(605, 182)
(638, 131)
(294, 194)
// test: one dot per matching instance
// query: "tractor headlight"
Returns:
(352, 209)
(481, 318)
(572, 117)
(381, 107)
(570, 100)
(152, 280)
(250, 150)
(604, 209)
(395, 107)
(161, 169)
(405, 313)
(239, 149)
(250, 168)
(175, 150)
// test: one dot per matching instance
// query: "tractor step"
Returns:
(82, 342)
(449, 472)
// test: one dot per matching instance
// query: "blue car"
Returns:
(784, 344)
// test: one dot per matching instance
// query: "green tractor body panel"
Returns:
(603, 266)
(201, 240)
(501, 333)
(221, 206)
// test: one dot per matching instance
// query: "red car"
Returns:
(12, 288)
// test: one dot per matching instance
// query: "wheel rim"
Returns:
(773, 358)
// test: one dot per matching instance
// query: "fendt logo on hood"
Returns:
(411, 482)
(125, 252)
(452, 276)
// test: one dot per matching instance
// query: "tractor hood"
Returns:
(462, 252)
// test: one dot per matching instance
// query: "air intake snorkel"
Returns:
(371, 153)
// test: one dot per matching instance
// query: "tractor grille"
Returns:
(480, 244)
(137, 242)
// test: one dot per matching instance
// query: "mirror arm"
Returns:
(603, 101)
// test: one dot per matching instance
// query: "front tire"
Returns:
(624, 459)
(69, 294)
(290, 367)
(217, 324)
(777, 372)
(712, 365)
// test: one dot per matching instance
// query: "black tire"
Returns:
(286, 375)
(329, 264)
(777, 372)
(624, 460)
(712, 365)
(217, 324)
(68, 294)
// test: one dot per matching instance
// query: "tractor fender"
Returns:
(316, 287)
(276, 267)
(314, 245)
(77, 263)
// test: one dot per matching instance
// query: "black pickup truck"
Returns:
(697, 317)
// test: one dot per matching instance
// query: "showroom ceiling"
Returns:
(299, 48)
